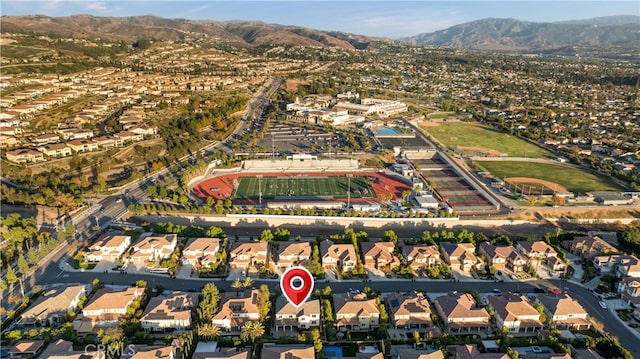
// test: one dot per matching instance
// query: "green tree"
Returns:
(316, 339)
(390, 236)
(266, 235)
(281, 234)
(208, 331)
(23, 266)
(216, 232)
(248, 282)
(11, 276)
(251, 331)
(237, 285)
(264, 304)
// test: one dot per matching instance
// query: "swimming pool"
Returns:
(332, 352)
(387, 131)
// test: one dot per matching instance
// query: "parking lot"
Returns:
(304, 138)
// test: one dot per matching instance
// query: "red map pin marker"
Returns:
(296, 284)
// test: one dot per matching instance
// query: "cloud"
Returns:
(399, 24)
(95, 6)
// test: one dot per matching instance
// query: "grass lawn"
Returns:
(303, 186)
(574, 179)
(439, 115)
(20, 52)
(473, 134)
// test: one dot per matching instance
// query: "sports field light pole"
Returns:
(259, 189)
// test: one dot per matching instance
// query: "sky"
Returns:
(392, 19)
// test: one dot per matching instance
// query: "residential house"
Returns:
(168, 352)
(106, 308)
(289, 317)
(201, 252)
(619, 264)
(587, 353)
(287, 351)
(588, 247)
(629, 289)
(237, 308)
(470, 351)
(403, 351)
(24, 155)
(461, 313)
(45, 138)
(7, 141)
(62, 349)
(356, 312)
(628, 266)
(144, 129)
(106, 142)
(556, 264)
(290, 254)
(606, 264)
(248, 255)
(26, 349)
(223, 353)
(169, 311)
(53, 305)
(502, 257)
(55, 150)
(379, 255)
(536, 250)
(564, 312)
(153, 248)
(107, 247)
(513, 312)
(460, 256)
(82, 145)
(411, 310)
(420, 257)
(338, 256)
(127, 136)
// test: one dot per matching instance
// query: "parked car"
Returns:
(538, 290)
(603, 305)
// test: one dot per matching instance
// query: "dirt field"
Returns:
(292, 85)
(535, 213)
(536, 184)
(42, 214)
(428, 124)
(483, 150)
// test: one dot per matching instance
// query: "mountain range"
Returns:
(506, 35)
(515, 35)
(241, 33)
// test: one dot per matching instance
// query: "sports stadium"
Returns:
(301, 181)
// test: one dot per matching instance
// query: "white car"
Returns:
(118, 200)
(603, 305)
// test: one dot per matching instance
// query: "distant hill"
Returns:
(523, 36)
(241, 33)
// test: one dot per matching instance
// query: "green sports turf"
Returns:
(465, 134)
(302, 187)
(574, 179)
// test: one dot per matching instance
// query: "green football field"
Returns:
(302, 187)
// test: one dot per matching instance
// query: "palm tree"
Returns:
(251, 330)
(248, 282)
(208, 331)
(237, 285)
